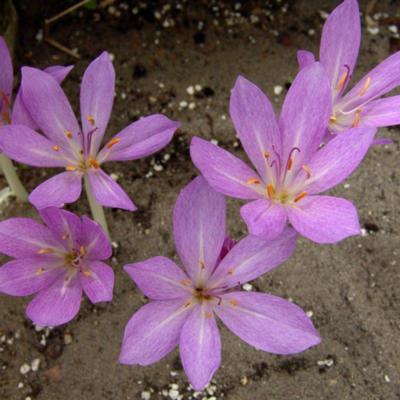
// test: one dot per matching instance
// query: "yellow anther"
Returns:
(208, 315)
(65, 236)
(187, 304)
(307, 170)
(266, 154)
(342, 81)
(87, 273)
(186, 282)
(91, 120)
(40, 271)
(233, 302)
(300, 196)
(68, 134)
(231, 271)
(56, 147)
(94, 163)
(45, 251)
(289, 164)
(270, 190)
(201, 264)
(332, 119)
(71, 168)
(356, 118)
(253, 181)
(365, 87)
(82, 251)
(112, 142)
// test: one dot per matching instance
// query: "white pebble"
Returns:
(173, 394)
(363, 232)
(198, 87)
(214, 141)
(24, 369)
(190, 90)
(393, 28)
(247, 287)
(183, 104)
(158, 168)
(309, 314)
(278, 90)
(20, 385)
(387, 379)
(146, 395)
(35, 364)
(373, 30)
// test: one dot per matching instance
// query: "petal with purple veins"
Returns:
(159, 278)
(324, 219)
(200, 347)
(267, 322)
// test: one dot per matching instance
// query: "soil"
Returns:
(351, 289)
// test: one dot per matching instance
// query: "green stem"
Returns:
(96, 209)
(12, 178)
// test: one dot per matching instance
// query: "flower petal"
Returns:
(305, 58)
(159, 278)
(24, 237)
(6, 69)
(381, 80)
(200, 347)
(24, 145)
(253, 257)
(64, 225)
(199, 228)
(20, 115)
(153, 332)
(97, 280)
(140, 139)
(305, 114)
(107, 192)
(48, 106)
(57, 304)
(337, 159)
(340, 42)
(381, 112)
(255, 123)
(58, 190)
(324, 219)
(267, 322)
(95, 241)
(264, 219)
(97, 97)
(27, 276)
(223, 171)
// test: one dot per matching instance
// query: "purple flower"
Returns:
(64, 144)
(16, 112)
(184, 302)
(56, 261)
(292, 168)
(362, 105)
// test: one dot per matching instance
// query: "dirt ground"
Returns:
(351, 289)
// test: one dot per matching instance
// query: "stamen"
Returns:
(267, 154)
(270, 190)
(186, 282)
(82, 251)
(94, 163)
(356, 118)
(112, 142)
(91, 120)
(307, 170)
(40, 271)
(45, 251)
(65, 236)
(332, 119)
(365, 86)
(300, 196)
(56, 147)
(343, 78)
(68, 134)
(189, 303)
(253, 181)
(87, 273)
(201, 264)
(71, 168)
(289, 163)
(208, 315)
(231, 271)
(233, 302)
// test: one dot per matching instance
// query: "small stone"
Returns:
(278, 90)
(393, 28)
(146, 395)
(20, 385)
(387, 379)
(198, 87)
(373, 30)
(309, 314)
(244, 381)
(192, 105)
(24, 369)
(214, 141)
(35, 364)
(247, 287)
(183, 104)
(158, 168)
(190, 90)
(173, 394)
(67, 338)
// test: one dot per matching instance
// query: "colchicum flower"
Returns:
(362, 105)
(56, 261)
(292, 168)
(15, 111)
(64, 144)
(184, 302)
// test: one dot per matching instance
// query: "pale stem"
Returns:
(12, 178)
(96, 209)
